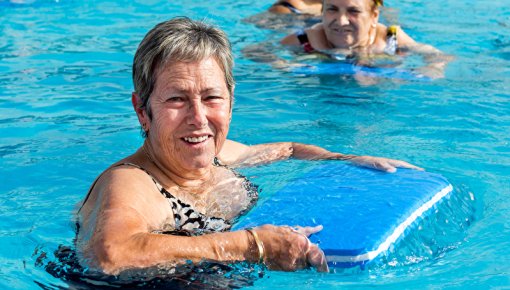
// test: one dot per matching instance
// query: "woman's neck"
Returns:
(189, 180)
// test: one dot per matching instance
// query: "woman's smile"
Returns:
(197, 140)
(341, 30)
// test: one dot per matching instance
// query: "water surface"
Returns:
(65, 115)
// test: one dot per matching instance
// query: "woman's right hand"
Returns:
(289, 249)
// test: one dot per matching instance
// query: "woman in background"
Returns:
(351, 29)
(310, 7)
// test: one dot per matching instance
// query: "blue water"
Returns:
(65, 115)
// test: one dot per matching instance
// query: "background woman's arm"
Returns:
(435, 60)
(239, 155)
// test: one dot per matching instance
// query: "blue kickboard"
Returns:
(364, 212)
(341, 68)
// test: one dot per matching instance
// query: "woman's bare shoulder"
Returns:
(317, 36)
(382, 30)
(121, 185)
(124, 193)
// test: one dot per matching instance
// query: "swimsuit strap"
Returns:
(392, 30)
(391, 40)
(288, 6)
(302, 36)
(158, 185)
(303, 40)
(217, 163)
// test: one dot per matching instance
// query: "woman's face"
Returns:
(347, 23)
(191, 113)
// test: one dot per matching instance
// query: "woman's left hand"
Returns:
(381, 163)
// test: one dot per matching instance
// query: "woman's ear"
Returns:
(232, 100)
(375, 17)
(141, 113)
(231, 108)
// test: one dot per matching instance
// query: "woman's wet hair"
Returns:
(378, 3)
(179, 39)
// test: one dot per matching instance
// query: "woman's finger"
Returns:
(404, 164)
(384, 166)
(316, 258)
(308, 231)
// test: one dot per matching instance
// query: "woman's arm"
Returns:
(239, 155)
(435, 60)
(124, 211)
(290, 39)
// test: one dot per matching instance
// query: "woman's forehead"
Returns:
(348, 3)
(182, 74)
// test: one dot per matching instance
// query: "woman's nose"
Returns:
(197, 115)
(343, 19)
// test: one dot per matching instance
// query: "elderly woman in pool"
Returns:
(351, 27)
(175, 198)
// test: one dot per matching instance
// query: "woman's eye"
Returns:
(354, 11)
(175, 99)
(213, 98)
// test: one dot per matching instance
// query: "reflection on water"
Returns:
(440, 231)
(282, 22)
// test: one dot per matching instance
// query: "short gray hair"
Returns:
(179, 39)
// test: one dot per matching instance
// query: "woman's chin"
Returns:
(341, 40)
(343, 44)
(198, 163)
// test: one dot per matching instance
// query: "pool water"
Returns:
(65, 115)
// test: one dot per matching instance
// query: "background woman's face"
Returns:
(190, 113)
(347, 23)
